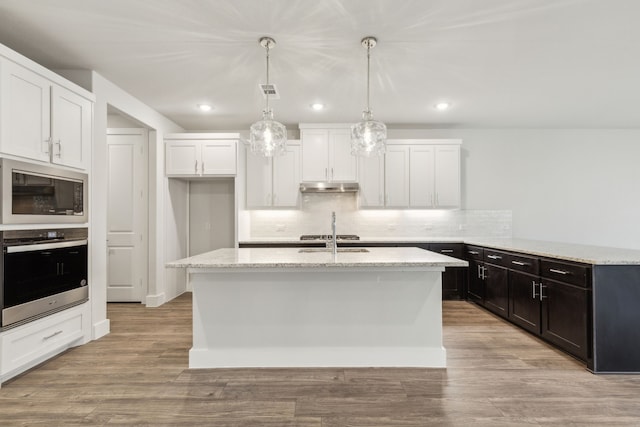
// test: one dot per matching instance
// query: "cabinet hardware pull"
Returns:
(519, 263)
(474, 252)
(479, 272)
(326, 173)
(52, 335)
(533, 289)
(446, 251)
(542, 296)
(196, 166)
(553, 270)
(332, 174)
(49, 142)
(59, 144)
(494, 257)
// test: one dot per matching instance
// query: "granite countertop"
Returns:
(293, 258)
(596, 255)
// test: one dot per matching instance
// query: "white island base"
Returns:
(317, 317)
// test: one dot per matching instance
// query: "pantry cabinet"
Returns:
(200, 155)
(42, 120)
(274, 181)
(326, 154)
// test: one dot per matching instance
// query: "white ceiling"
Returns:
(502, 63)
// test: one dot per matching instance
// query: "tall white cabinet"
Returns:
(326, 153)
(274, 181)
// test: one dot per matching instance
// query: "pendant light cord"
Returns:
(368, 74)
(268, 90)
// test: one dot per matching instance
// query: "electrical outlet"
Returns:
(428, 227)
(462, 227)
(391, 227)
(280, 228)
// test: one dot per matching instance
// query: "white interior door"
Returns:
(127, 215)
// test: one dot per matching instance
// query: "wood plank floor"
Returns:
(137, 375)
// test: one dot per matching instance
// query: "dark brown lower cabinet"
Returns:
(524, 300)
(565, 317)
(496, 289)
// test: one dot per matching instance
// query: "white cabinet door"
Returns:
(315, 149)
(343, 166)
(421, 169)
(259, 181)
(71, 126)
(286, 177)
(218, 157)
(182, 157)
(25, 106)
(371, 179)
(447, 176)
(396, 171)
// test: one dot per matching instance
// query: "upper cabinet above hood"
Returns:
(329, 187)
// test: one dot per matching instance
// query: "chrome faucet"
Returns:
(333, 244)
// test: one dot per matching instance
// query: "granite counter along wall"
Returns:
(313, 217)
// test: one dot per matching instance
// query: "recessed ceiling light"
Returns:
(205, 107)
(317, 106)
(442, 106)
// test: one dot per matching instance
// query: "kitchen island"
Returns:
(310, 307)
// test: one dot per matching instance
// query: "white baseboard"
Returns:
(155, 300)
(101, 328)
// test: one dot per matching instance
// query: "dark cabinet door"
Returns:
(524, 300)
(496, 296)
(475, 291)
(564, 316)
(453, 279)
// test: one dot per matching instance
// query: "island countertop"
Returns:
(229, 258)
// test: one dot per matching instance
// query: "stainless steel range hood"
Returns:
(328, 187)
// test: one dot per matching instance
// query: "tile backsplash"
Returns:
(313, 217)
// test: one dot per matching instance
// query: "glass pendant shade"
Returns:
(268, 138)
(368, 136)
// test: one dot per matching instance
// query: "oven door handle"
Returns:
(45, 246)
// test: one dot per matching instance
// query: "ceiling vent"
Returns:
(270, 90)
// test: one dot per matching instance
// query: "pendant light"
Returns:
(267, 136)
(368, 136)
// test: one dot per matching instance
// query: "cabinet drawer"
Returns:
(575, 274)
(23, 345)
(474, 252)
(523, 263)
(496, 257)
(449, 249)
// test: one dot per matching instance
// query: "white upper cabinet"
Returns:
(200, 154)
(41, 120)
(422, 174)
(71, 128)
(326, 154)
(274, 182)
(447, 176)
(396, 176)
(371, 179)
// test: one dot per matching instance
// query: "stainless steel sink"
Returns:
(308, 250)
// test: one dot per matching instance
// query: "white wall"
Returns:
(578, 186)
(109, 94)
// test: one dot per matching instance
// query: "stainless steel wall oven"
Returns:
(43, 271)
(42, 194)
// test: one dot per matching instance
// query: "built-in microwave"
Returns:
(38, 194)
